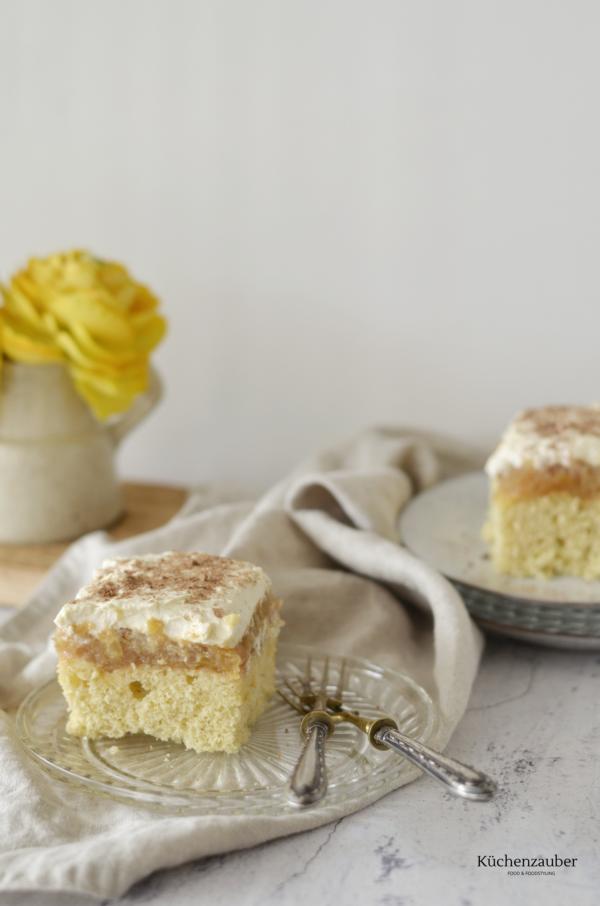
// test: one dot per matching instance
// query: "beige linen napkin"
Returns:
(327, 536)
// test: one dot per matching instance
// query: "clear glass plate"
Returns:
(254, 780)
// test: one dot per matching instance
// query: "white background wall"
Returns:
(354, 212)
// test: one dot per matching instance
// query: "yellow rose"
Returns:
(91, 315)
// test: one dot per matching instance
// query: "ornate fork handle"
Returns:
(309, 780)
(460, 779)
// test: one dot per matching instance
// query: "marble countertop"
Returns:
(533, 724)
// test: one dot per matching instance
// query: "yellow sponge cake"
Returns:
(180, 646)
(544, 515)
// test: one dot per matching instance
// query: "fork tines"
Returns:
(310, 689)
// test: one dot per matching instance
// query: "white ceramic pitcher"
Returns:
(57, 471)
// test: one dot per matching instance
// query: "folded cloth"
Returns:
(328, 537)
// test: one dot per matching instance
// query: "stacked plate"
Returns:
(443, 527)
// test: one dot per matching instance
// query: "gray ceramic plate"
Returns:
(443, 527)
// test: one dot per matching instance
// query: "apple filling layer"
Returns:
(119, 647)
(579, 479)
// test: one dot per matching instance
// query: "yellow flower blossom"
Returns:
(91, 315)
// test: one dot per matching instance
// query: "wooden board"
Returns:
(22, 567)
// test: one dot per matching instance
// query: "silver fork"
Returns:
(308, 783)
(459, 779)
(383, 733)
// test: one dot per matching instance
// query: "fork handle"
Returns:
(460, 779)
(309, 780)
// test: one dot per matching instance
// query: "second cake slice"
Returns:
(544, 516)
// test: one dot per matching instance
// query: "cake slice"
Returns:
(544, 515)
(179, 646)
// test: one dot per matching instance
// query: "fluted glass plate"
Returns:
(254, 780)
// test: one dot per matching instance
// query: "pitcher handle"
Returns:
(142, 406)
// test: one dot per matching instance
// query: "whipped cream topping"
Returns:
(550, 436)
(197, 597)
